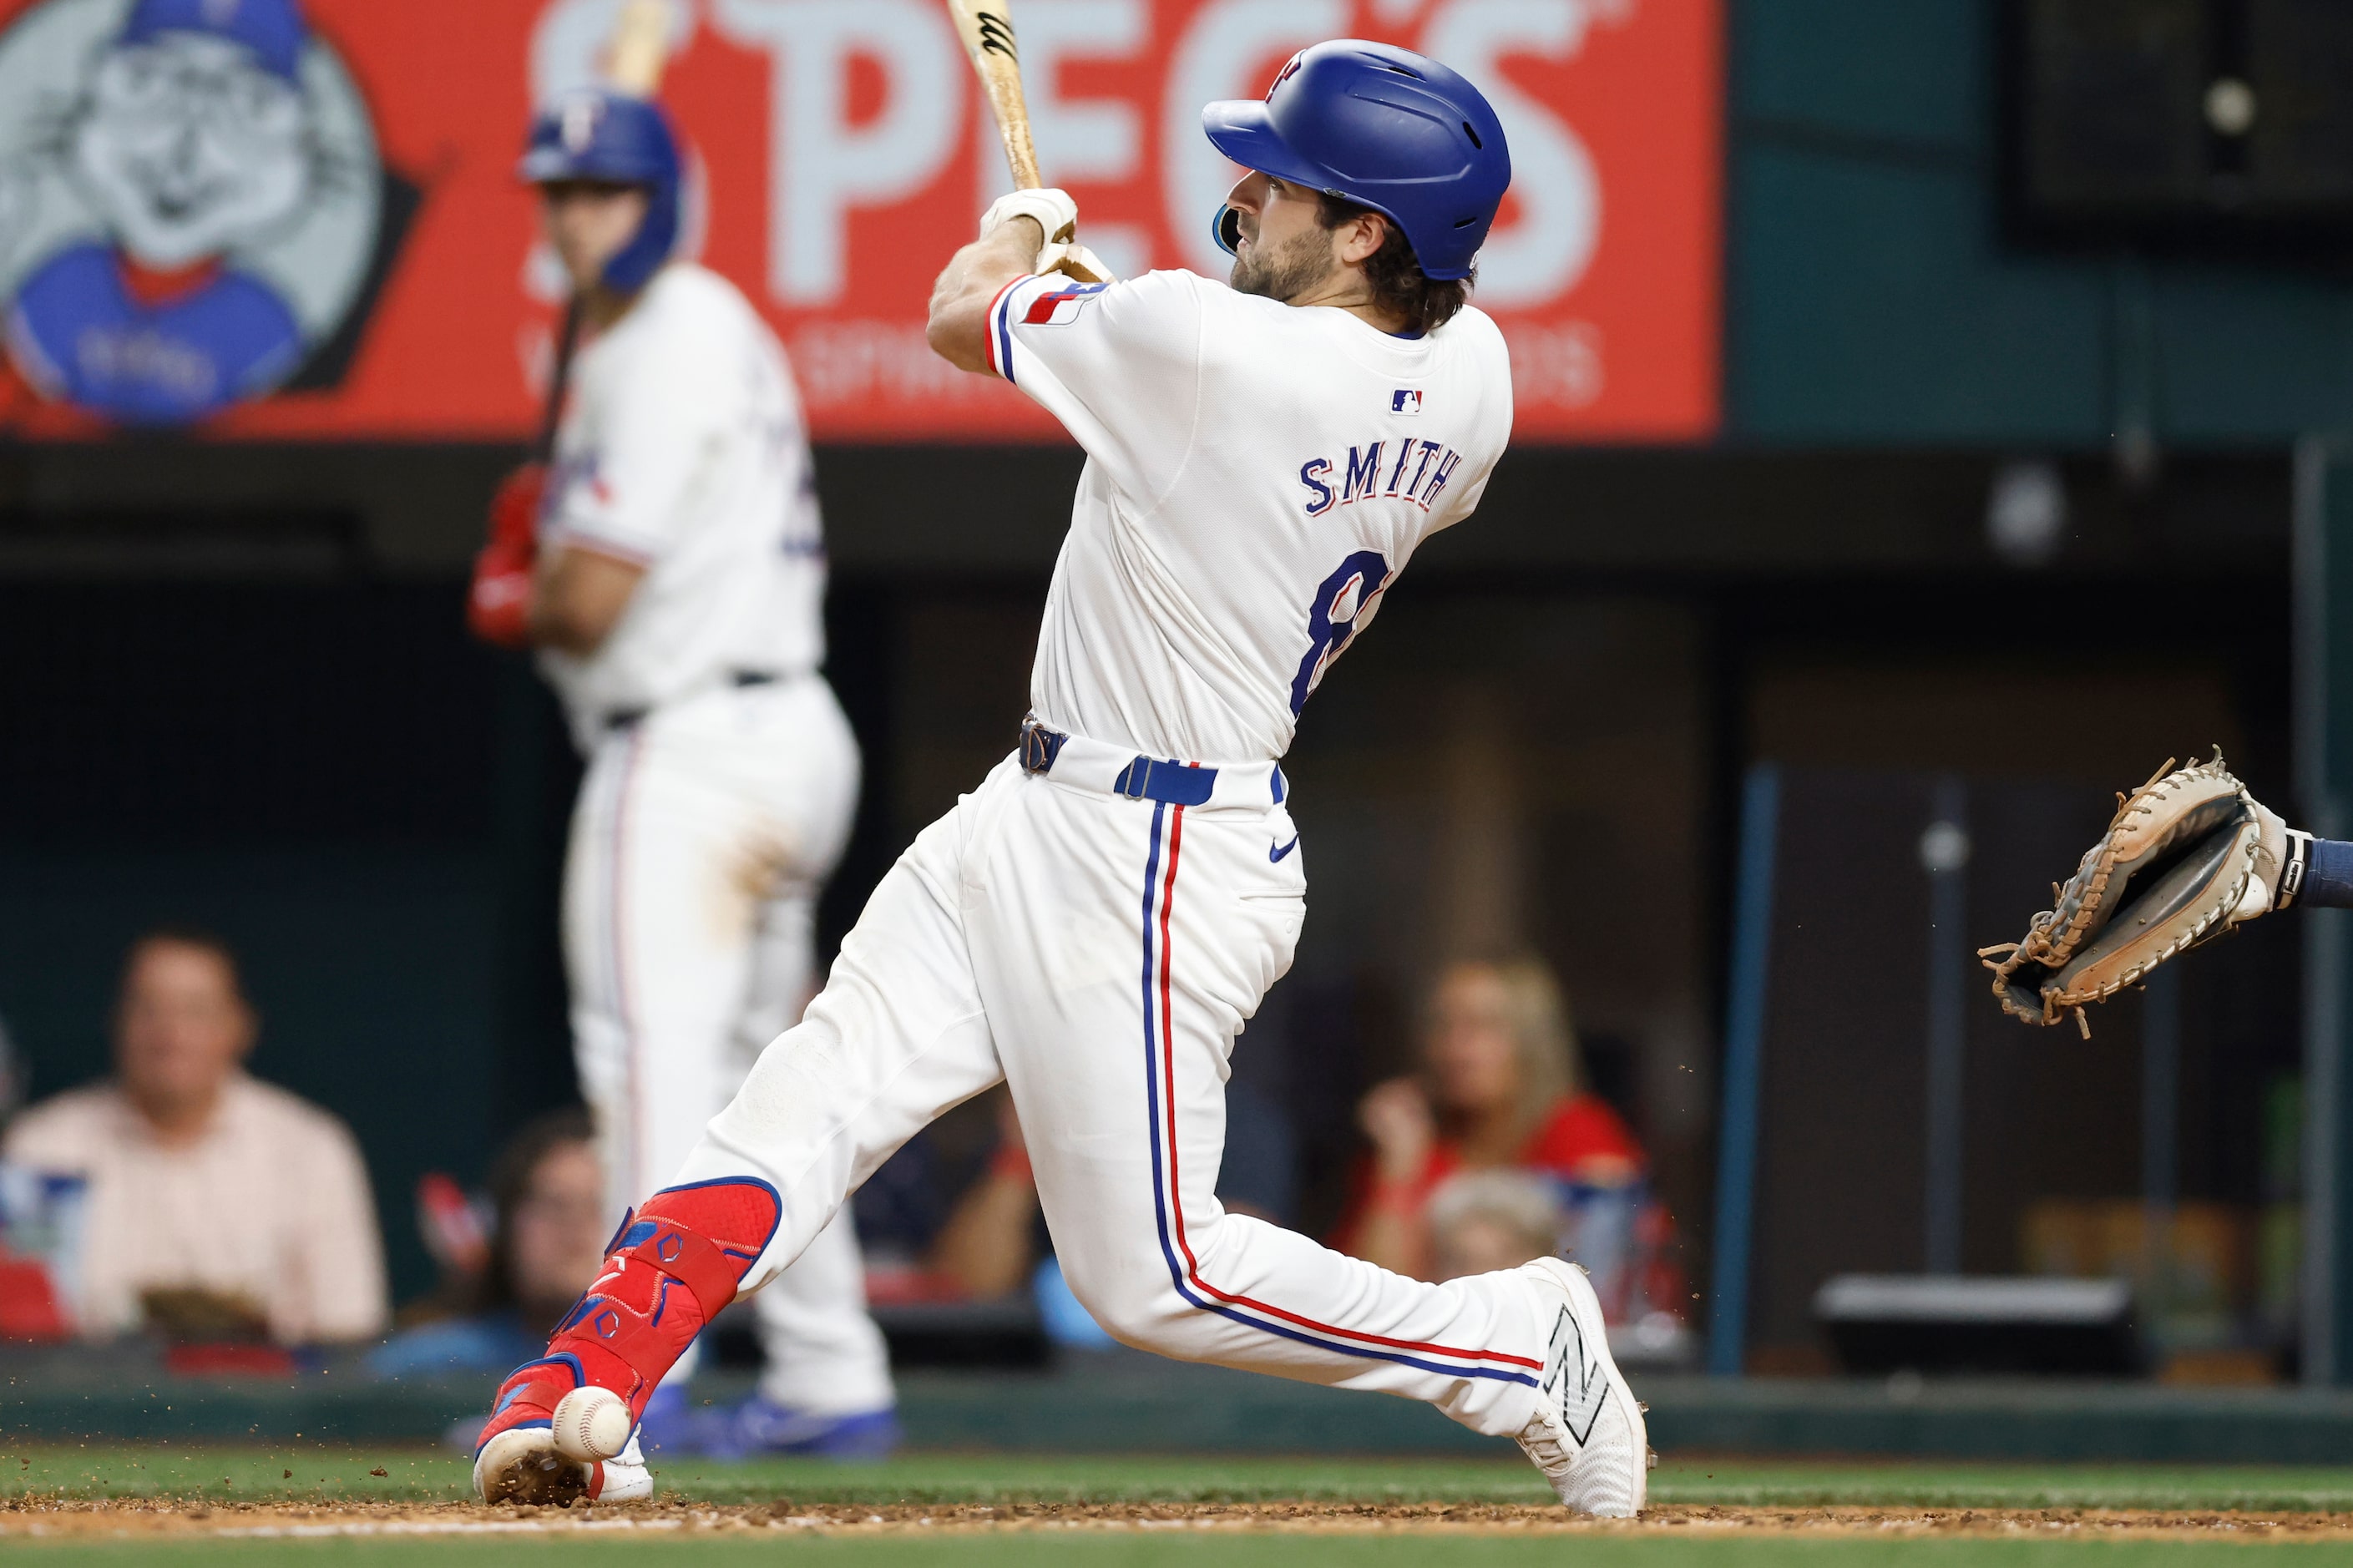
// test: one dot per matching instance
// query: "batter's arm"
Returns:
(958, 329)
(579, 597)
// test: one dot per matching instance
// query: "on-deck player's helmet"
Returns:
(1386, 128)
(595, 133)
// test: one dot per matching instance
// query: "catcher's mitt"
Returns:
(2189, 855)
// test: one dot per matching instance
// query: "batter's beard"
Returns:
(1298, 265)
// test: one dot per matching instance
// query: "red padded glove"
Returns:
(498, 608)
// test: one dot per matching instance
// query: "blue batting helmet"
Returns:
(595, 133)
(1384, 128)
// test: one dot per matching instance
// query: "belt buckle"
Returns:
(1040, 746)
(1134, 779)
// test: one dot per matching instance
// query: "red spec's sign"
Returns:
(299, 218)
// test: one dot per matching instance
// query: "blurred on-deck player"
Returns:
(670, 567)
(1095, 923)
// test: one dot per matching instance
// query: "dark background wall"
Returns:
(1874, 296)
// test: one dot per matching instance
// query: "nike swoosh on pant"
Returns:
(1277, 854)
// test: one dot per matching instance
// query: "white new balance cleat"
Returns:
(622, 1482)
(623, 1478)
(1587, 1436)
(520, 1465)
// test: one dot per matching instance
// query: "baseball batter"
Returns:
(1094, 923)
(672, 575)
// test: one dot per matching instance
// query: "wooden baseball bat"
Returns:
(559, 383)
(639, 48)
(986, 28)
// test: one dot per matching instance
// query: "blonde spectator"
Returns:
(1500, 1087)
(241, 1204)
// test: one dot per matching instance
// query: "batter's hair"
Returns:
(1398, 283)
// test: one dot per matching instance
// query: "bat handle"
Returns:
(559, 382)
(1070, 266)
(1021, 156)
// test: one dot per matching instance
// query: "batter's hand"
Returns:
(498, 606)
(1055, 213)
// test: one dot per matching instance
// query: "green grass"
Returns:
(2195, 1489)
(99, 1471)
(337, 1474)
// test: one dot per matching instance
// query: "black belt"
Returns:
(629, 718)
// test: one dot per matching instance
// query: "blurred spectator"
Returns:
(218, 1207)
(548, 1242)
(1481, 1221)
(1501, 1089)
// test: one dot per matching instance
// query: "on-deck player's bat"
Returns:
(559, 383)
(986, 28)
(634, 58)
(640, 49)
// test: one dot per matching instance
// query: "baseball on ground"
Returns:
(591, 1424)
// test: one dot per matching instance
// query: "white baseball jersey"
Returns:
(1257, 475)
(683, 450)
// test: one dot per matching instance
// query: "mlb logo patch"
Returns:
(1405, 400)
(1061, 308)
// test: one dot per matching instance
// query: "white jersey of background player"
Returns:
(681, 455)
(678, 607)
(1097, 921)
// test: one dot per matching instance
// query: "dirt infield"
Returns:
(157, 1518)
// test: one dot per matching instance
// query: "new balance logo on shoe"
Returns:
(1583, 1386)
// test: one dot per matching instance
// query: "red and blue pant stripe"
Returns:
(1168, 1207)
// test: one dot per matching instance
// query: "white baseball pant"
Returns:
(1100, 953)
(703, 834)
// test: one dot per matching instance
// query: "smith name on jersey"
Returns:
(1431, 473)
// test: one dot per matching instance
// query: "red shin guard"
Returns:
(676, 1262)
